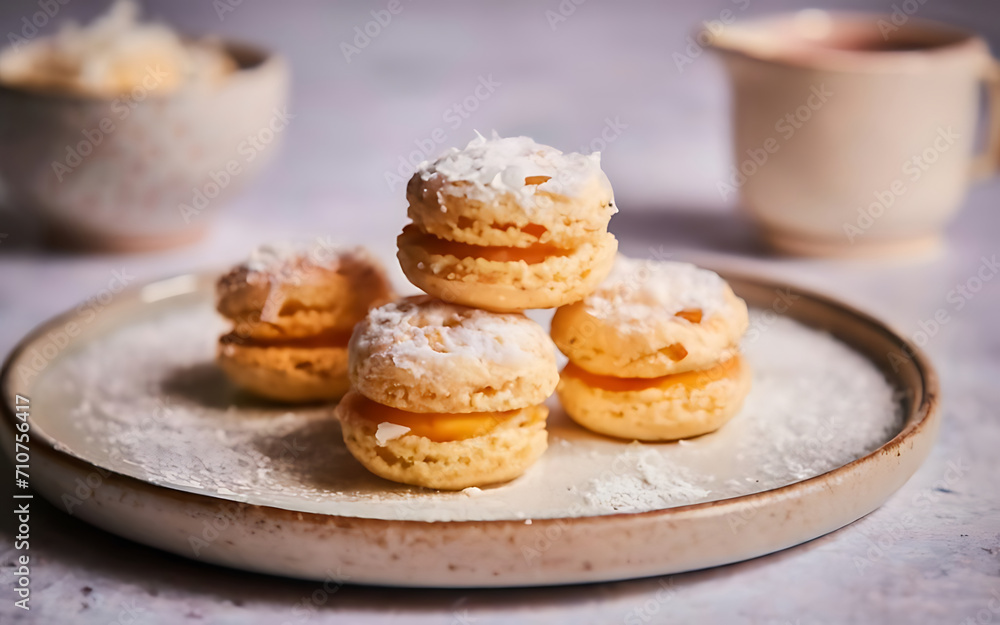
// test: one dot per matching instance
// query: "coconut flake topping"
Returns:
(416, 332)
(641, 292)
(389, 432)
(516, 165)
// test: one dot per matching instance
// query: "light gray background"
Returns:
(354, 120)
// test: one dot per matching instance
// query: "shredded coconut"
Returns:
(640, 478)
(277, 266)
(490, 167)
(285, 259)
(417, 331)
(113, 55)
(637, 292)
(389, 431)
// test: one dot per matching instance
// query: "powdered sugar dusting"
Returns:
(146, 400)
(641, 478)
(273, 257)
(489, 167)
(279, 266)
(285, 260)
(637, 292)
(417, 332)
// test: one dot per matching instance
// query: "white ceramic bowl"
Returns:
(144, 170)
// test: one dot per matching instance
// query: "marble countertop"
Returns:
(565, 82)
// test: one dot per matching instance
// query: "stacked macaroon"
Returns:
(448, 388)
(293, 309)
(508, 224)
(654, 352)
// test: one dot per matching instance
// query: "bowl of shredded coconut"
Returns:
(122, 134)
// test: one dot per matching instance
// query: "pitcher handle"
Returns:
(987, 163)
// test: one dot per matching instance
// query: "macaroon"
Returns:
(508, 224)
(293, 309)
(654, 352)
(446, 396)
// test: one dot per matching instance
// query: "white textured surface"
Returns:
(930, 555)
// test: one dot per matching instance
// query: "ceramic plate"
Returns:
(134, 430)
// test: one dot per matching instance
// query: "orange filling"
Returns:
(693, 315)
(533, 254)
(438, 427)
(675, 352)
(331, 338)
(689, 379)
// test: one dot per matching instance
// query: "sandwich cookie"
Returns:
(654, 352)
(293, 311)
(507, 224)
(445, 396)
